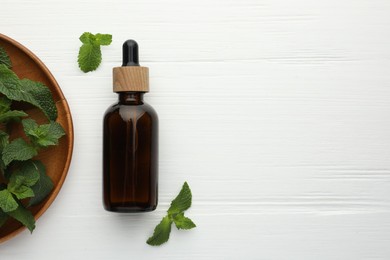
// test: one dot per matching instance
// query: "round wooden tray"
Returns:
(56, 159)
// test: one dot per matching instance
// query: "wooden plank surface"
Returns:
(274, 111)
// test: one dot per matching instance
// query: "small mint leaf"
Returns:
(42, 96)
(161, 232)
(29, 125)
(43, 135)
(4, 58)
(103, 39)
(21, 191)
(5, 104)
(43, 187)
(3, 140)
(10, 86)
(7, 201)
(182, 202)
(21, 180)
(12, 115)
(18, 150)
(24, 216)
(87, 37)
(183, 222)
(90, 57)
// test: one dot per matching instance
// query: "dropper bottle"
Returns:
(130, 140)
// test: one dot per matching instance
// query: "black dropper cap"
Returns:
(130, 53)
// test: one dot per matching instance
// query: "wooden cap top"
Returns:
(131, 78)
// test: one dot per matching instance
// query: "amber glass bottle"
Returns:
(130, 140)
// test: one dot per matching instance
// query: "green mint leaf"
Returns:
(7, 201)
(182, 202)
(22, 179)
(5, 104)
(161, 232)
(28, 91)
(90, 55)
(87, 37)
(103, 39)
(3, 217)
(183, 222)
(3, 140)
(43, 135)
(29, 125)
(21, 191)
(10, 86)
(18, 150)
(4, 58)
(43, 187)
(24, 216)
(175, 214)
(42, 96)
(12, 115)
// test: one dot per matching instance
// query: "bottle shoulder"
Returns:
(125, 110)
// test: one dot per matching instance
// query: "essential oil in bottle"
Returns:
(130, 140)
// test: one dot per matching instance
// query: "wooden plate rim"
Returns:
(69, 135)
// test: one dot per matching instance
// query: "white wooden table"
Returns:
(276, 112)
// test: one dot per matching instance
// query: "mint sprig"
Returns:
(175, 215)
(25, 182)
(90, 54)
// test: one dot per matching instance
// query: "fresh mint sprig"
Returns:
(175, 215)
(90, 54)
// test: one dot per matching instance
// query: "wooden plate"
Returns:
(57, 159)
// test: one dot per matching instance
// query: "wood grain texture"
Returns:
(274, 111)
(130, 79)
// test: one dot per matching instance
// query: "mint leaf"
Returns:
(21, 191)
(42, 96)
(90, 55)
(4, 58)
(87, 37)
(43, 135)
(29, 126)
(29, 170)
(3, 143)
(10, 86)
(28, 91)
(3, 139)
(18, 150)
(5, 104)
(7, 201)
(43, 187)
(183, 222)
(22, 179)
(13, 114)
(182, 202)
(24, 216)
(161, 232)
(103, 39)
(175, 214)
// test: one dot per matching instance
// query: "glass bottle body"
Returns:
(130, 155)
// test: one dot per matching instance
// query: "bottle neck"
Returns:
(130, 97)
